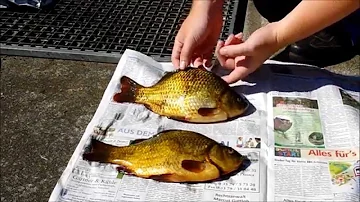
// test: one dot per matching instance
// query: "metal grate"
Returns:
(98, 30)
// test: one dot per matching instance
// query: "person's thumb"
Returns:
(236, 50)
(186, 52)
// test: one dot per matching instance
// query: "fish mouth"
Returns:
(224, 175)
(244, 105)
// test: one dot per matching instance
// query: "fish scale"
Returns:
(173, 155)
(172, 89)
(193, 95)
(153, 153)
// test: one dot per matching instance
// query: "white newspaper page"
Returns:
(313, 139)
(84, 181)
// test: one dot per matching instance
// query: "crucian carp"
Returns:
(192, 95)
(170, 156)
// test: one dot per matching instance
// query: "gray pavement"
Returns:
(45, 108)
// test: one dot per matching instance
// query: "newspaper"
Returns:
(302, 140)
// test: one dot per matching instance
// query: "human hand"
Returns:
(228, 62)
(196, 39)
(244, 57)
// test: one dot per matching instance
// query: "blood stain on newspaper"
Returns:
(171, 156)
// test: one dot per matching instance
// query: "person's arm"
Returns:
(307, 18)
(311, 16)
(198, 34)
(207, 6)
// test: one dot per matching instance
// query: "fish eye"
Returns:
(230, 151)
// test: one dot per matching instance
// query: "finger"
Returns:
(236, 50)
(229, 39)
(187, 52)
(198, 61)
(194, 57)
(175, 55)
(239, 36)
(241, 70)
(207, 59)
(234, 39)
(220, 57)
(208, 55)
(227, 63)
(237, 74)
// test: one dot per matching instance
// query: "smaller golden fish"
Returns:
(192, 95)
(170, 156)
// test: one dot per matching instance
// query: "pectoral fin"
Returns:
(193, 166)
(208, 111)
(209, 115)
(199, 172)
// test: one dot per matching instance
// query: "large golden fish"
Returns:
(170, 156)
(192, 95)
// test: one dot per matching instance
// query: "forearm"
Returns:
(311, 16)
(207, 6)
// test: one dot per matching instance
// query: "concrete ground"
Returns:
(46, 105)
(45, 108)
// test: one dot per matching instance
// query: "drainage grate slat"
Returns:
(86, 28)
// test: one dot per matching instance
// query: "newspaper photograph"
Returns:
(296, 148)
(297, 122)
(316, 153)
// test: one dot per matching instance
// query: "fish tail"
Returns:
(129, 90)
(100, 152)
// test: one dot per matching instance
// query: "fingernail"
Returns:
(239, 35)
(220, 43)
(182, 64)
(229, 39)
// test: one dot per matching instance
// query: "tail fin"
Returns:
(100, 152)
(128, 92)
